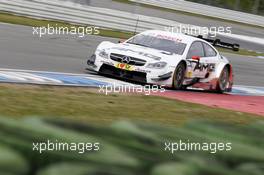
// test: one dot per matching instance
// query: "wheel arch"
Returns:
(180, 62)
(230, 70)
(231, 77)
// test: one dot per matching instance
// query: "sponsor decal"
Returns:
(142, 70)
(138, 52)
(198, 66)
(189, 74)
(200, 70)
(171, 38)
(204, 67)
(124, 66)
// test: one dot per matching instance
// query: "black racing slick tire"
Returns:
(178, 77)
(223, 80)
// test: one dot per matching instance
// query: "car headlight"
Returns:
(103, 54)
(157, 65)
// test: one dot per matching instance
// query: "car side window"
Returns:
(196, 49)
(209, 51)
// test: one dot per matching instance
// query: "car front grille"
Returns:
(123, 74)
(133, 61)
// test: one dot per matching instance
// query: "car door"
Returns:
(210, 59)
(196, 61)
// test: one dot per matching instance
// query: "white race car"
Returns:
(166, 59)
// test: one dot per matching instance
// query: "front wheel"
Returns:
(223, 80)
(178, 77)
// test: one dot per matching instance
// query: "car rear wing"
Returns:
(219, 43)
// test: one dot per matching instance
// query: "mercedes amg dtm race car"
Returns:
(164, 58)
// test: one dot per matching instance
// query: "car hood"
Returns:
(141, 52)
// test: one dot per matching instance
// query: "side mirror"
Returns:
(196, 58)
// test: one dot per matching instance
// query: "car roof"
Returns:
(183, 37)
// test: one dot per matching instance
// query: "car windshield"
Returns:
(168, 45)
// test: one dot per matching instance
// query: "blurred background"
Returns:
(248, 6)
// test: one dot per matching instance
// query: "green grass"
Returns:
(21, 20)
(83, 104)
(244, 6)
(240, 52)
(185, 13)
(126, 147)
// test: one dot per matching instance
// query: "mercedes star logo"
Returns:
(126, 59)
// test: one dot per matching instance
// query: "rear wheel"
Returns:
(223, 80)
(178, 77)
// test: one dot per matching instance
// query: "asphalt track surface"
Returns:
(20, 49)
(187, 19)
